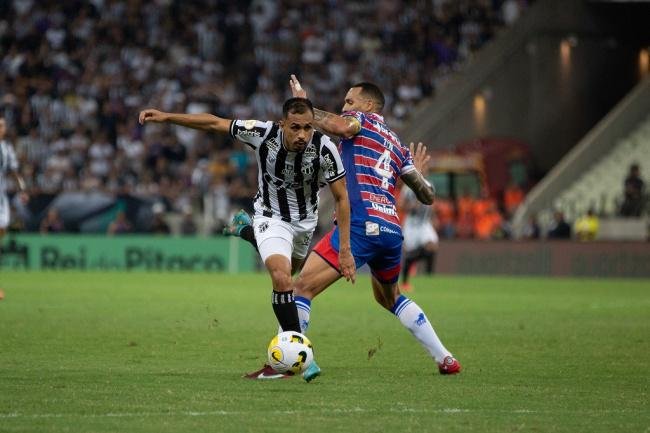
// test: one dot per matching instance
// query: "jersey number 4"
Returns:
(383, 168)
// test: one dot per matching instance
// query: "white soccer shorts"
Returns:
(275, 236)
(418, 234)
(4, 211)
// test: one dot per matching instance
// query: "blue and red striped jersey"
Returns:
(374, 159)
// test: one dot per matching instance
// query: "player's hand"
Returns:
(346, 262)
(296, 89)
(151, 115)
(420, 157)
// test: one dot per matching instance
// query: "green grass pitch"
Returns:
(118, 352)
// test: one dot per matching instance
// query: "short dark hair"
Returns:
(297, 106)
(373, 92)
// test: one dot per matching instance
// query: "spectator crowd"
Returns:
(74, 74)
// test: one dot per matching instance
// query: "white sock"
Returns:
(304, 311)
(414, 319)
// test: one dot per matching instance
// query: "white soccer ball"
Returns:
(290, 352)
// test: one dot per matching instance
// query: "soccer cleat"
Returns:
(239, 221)
(312, 372)
(449, 365)
(266, 373)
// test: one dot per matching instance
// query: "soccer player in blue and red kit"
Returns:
(374, 158)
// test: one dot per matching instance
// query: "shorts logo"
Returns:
(263, 227)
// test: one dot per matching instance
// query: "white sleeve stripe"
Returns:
(337, 177)
(232, 128)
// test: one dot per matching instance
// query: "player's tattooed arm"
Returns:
(330, 123)
(202, 121)
(423, 189)
(333, 124)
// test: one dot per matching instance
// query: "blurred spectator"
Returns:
(159, 225)
(465, 215)
(532, 229)
(513, 196)
(188, 226)
(511, 9)
(633, 193)
(586, 227)
(16, 222)
(120, 225)
(72, 79)
(52, 223)
(488, 222)
(560, 229)
(444, 209)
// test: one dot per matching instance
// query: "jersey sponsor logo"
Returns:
(288, 183)
(272, 144)
(249, 133)
(389, 230)
(388, 210)
(372, 229)
(328, 166)
(287, 171)
(307, 168)
(310, 152)
(378, 198)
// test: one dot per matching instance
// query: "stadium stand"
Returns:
(74, 74)
(600, 187)
(592, 175)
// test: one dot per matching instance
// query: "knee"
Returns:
(281, 280)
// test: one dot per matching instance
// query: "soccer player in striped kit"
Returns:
(8, 165)
(374, 158)
(294, 161)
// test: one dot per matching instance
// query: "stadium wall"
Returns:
(548, 259)
(128, 253)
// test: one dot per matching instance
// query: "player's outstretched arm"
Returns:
(203, 121)
(342, 204)
(424, 191)
(330, 123)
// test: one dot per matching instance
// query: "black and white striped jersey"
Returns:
(8, 163)
(288, 181)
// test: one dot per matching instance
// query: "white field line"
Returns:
(218, 413)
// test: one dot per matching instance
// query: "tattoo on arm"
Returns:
(424, 191)
(319, 115)
(334, 124)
